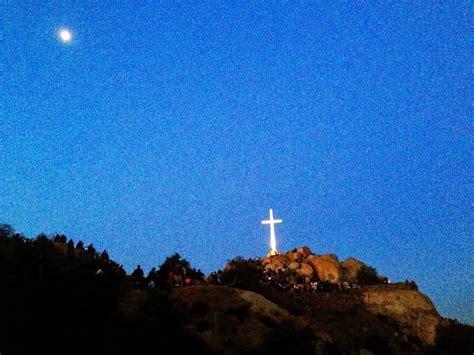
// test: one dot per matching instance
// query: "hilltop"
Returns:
(57, 296)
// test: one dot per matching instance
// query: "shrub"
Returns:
(367, 275)
(243, 274)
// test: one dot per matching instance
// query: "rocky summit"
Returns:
(400, 302)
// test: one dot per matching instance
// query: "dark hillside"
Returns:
(59, 297)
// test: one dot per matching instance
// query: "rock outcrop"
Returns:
(400, 302)
(305, 270)
(350, 267)
(410, 308)
(304, 263)
(230, 320)
(327, 267)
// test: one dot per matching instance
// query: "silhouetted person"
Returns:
(151, 275)
(91, 249)
(80, 245)
(152, 278)
(178, 276)
(137, 277)
(200, 275)
(104, 255)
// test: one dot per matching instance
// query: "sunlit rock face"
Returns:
(350, 267)
(305, 270)
(304, 252)
(280, 260)
(294, 265)
(294, 256)
(412, 309)
(304, 263)
(327, 267)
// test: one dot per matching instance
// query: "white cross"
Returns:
(272, 223)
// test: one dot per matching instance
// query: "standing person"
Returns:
(178, 276)
(151, 278)
(137, 277)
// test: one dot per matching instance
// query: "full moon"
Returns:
(65, 36)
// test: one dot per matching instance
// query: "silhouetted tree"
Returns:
(367, 275)
(6, 231)
(243, 273)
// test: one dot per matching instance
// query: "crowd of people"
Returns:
(171, 276)
(70, 249)
(284, 282)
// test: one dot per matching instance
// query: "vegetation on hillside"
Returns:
(58, 297)
(245, 274)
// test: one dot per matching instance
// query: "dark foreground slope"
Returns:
(58, 300)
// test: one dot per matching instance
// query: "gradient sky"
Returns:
(171, 126)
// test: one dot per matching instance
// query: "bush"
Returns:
(6, 231)
(243, 274)
(367, 275)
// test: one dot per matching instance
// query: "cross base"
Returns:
(273, 253)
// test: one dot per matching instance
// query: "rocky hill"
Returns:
(56, 297)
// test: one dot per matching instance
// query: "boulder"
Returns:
(350, 267)
(279, 260)
(280, 268)
(327, 267)
(270, 267)
(293, 256)
(304, 252)
(259, 305)
(331, 256)
(305, 270)
(413, 310)
(294, 265)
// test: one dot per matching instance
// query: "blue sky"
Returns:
(175, 126)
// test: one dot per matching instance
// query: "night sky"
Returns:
(169, 127)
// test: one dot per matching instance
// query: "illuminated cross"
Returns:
(272, 223)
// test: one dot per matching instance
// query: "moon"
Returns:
(65, 35)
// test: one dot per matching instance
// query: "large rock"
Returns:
(270, 267)
(294, 265)
(305, 270)
(327, 267)
(259, 305)
(350, 267)
(304, 252)
(236, 321)
(413, 310)
(293, 256)
(279, 260)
